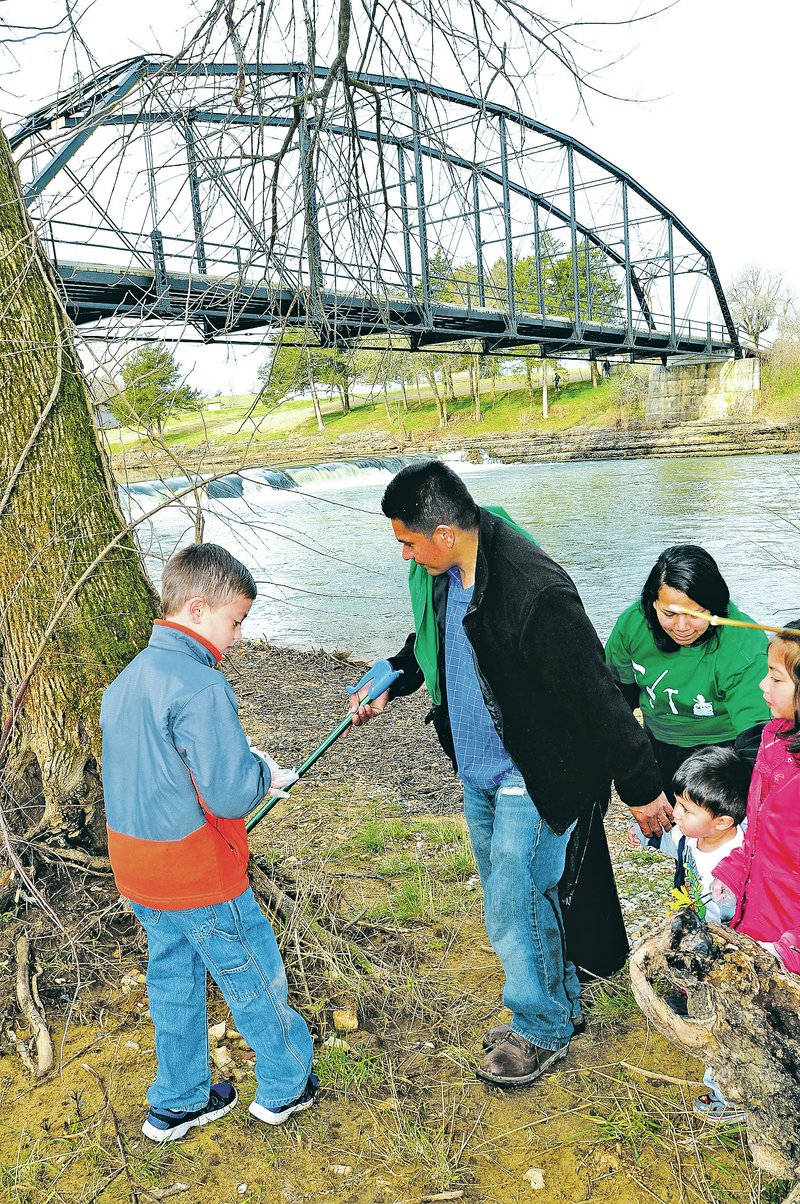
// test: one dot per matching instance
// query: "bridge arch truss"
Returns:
(233, 197)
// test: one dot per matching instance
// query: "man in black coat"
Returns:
(537, 729)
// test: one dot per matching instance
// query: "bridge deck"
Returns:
(224, 305)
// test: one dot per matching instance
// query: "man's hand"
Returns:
(655, 818)
(721, 893)
(363, 712)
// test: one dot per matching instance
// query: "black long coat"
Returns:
(559, 713)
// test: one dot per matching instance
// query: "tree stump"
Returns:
(744, 1021)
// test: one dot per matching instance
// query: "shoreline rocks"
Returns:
(702, 438)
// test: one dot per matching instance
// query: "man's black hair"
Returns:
(716, 779)
(425, 496)
(694, 572)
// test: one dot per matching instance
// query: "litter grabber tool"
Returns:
(379, 678)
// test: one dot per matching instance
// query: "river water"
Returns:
(330, 574)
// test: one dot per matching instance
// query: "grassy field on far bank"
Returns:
(236, 422)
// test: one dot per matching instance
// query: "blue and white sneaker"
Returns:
(279, 1115)
(718, 1111)
(168, 1125)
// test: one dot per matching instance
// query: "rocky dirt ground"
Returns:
(382, 923)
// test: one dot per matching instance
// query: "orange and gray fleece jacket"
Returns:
(178, 776)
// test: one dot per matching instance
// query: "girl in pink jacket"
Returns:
(762, 876)
(764, 872)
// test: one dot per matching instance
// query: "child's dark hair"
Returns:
(204, 569)
(716, 779)
(693, 571)
(790, 654)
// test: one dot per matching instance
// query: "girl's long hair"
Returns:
(692, 570)
(790, 654)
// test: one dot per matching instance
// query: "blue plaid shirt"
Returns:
(480, 754)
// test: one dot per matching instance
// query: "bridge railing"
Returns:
(244, 270)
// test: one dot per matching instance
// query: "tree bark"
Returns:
(419, 391)
(474, 380)
(529, 376)
(441, 398)
(449, 388)
(314, 397)
(58, 512)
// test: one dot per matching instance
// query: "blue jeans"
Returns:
(520, 861)
(235, 943)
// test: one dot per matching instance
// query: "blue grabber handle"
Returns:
(384, 676)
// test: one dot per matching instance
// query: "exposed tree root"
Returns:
(92, 864)
(660, 1078)
(743, 1019)
(31, 1008)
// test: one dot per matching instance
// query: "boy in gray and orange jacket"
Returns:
(179, 776)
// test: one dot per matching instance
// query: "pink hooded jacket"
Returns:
(764, 872)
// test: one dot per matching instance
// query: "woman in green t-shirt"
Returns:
(696, 684)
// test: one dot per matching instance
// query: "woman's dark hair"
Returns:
(693, 571)
(789, 646)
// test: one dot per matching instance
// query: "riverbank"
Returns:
(707, 438)
(378, 910)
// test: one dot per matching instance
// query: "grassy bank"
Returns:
(379, 914)
(507, 408)
(229, 431)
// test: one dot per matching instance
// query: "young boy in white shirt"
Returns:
(710, 803)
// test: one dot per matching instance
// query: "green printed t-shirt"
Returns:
(701, 694)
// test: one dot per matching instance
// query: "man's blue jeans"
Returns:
(235, 943)
(520, 861)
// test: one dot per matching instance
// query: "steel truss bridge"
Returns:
(235, 197)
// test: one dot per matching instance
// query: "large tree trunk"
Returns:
(743, 1019)
(62, 637)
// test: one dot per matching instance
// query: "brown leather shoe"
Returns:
(494, 1036)
(515, 1062)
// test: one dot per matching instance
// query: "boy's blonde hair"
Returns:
(204, 570)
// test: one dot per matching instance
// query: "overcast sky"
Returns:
(714, 135)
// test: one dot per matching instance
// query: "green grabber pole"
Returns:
(384, 677)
